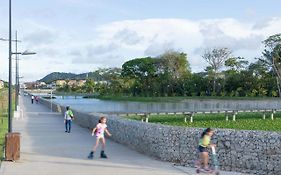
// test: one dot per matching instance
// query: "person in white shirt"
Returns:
(68, 117)
(32, 99)
(99, 131)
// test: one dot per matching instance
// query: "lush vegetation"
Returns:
(3, 119)
(244, 121)
(170, 75)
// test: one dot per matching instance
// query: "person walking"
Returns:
(68, 117)
(99, 131)
(32, 99)
(37, 99)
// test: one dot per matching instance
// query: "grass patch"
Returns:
(3, 131)
(244, 121)
(3, 119)
(177, 99)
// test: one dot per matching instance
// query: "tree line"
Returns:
(170, 75)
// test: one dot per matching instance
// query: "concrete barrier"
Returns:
(255, 152)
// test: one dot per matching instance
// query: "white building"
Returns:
(2, 84)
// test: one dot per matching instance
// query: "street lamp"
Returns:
(12, 139)
(3, 39)
(26, 52)
(17, 73)
(10, 67)
(17, 66)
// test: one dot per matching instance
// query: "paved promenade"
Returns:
(47, 150)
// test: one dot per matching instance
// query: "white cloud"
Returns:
(188, 36)
(128, 37)
(114, 43)
(156, 48)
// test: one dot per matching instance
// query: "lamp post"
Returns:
(17, 72)
(10, 70)
(10, 85)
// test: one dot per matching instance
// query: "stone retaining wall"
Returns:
(254, 152)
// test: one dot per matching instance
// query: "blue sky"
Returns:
(83, 35)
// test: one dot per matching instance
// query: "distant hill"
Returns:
(69, 76)
(105, 74)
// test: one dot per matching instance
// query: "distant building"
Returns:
(30, 85)
(51, 86)
(80, 82)
(39, 85)
(2, 84)
(72, 83)
(101, 82)
(42, 84)
(60, 82)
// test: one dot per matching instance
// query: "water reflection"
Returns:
(96, 105)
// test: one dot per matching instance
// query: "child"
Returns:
(68, 117)
(204, 144)
(37, 99)
(98, 131)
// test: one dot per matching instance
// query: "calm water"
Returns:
(96, 105)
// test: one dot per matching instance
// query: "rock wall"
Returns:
(254, 152)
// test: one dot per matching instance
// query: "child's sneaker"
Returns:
(206, 170)
(91, 155)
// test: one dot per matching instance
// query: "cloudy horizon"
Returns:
(82, 36)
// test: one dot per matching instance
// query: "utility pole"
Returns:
(17, 75)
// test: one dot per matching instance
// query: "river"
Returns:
(189, 105)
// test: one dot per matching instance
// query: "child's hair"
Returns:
(101, 118)
(205, 132)
(67, 108)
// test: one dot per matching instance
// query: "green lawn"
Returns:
(244, 121)
(176, 99)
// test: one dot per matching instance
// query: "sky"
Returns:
(83, 35)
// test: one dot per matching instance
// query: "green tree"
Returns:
(141, 70)
(271, 56)
(174, 68)
(158, 76)
(216, 59)
(89, 85)
(236, 63)
(233, 79)
(263, 79)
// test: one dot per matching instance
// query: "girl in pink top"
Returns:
(99, 131)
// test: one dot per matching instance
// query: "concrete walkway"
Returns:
(47, 150)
